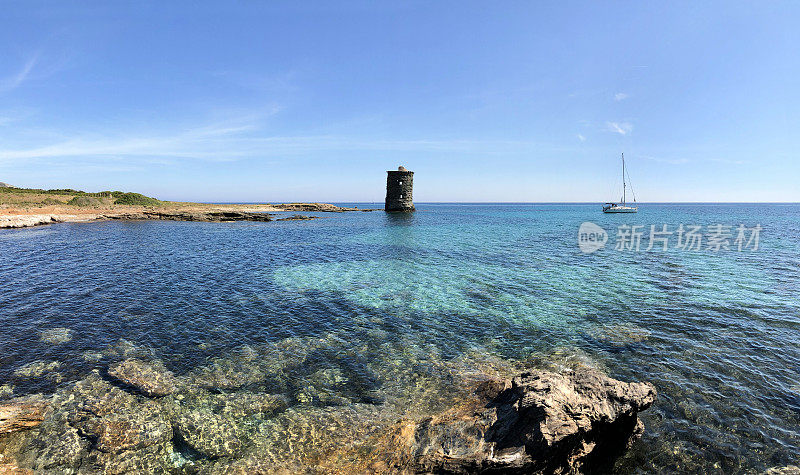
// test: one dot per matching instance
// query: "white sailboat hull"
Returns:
(620, 209)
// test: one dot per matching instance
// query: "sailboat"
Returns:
(621, 207)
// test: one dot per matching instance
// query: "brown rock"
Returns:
(21, 413)
(13, 469)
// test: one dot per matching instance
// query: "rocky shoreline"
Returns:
(137, 416)
(230, 214)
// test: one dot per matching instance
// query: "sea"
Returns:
(386, 310)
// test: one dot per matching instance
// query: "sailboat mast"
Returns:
(623, 179)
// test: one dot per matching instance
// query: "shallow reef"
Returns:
(315, 405)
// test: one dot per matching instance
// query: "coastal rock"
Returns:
(539, 422)
(24, 221)
(152, 379)
(13, 469)
(205, 216)
(21, 413)
(297, 217)
(313, 207)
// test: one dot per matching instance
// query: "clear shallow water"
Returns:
(395, 295)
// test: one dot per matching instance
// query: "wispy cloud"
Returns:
(201, 142)
(620, 96)
(581, 138)
(12, 82)
(236, 140)
(622, 128)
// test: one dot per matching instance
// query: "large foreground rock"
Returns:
(539, 422)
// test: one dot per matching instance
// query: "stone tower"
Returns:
(399, 185)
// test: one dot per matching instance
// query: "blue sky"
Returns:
(485, 101)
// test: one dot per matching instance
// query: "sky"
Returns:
(244, 101)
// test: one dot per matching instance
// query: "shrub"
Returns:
(52, 201)
(137, 199)
(84, 201)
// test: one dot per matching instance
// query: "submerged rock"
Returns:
(6, 390)
(60, 450)
(127, 349)
(539, 422)
(37, 368)
(219, 425)
(56, 335)
(21, 413)
(152, 379)
(621, 335)
(787, 470)
(92, 356)
(94, 427)
(227, 375)
(115, 432)
(208, 433)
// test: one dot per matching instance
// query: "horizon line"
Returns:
(495, 202)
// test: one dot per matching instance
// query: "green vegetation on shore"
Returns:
(136, 199)
(38, 197)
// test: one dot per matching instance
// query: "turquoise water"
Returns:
(718, 333)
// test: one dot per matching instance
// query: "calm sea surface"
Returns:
(718, 333)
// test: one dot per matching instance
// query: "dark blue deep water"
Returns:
(717, 332)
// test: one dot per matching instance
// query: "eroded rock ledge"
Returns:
(539, 422)
(317, 207)
(208, 216)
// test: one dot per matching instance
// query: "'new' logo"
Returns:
(591, 237)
